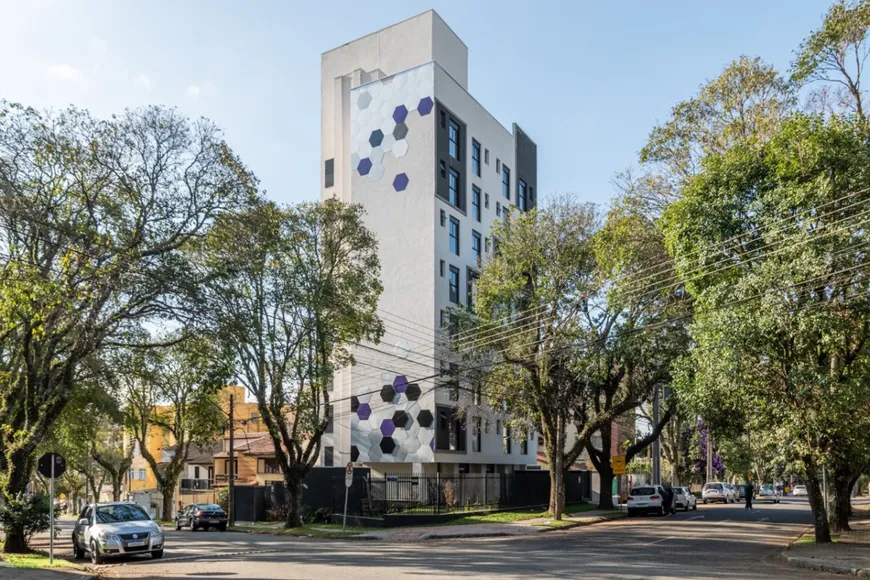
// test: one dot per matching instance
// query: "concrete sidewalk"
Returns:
(494, 530)
(849, 555)
(8, 572)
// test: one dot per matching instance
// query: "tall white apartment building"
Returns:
(402, 136)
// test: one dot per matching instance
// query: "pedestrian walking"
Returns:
(749, 489)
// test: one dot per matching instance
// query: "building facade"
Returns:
(402, 136)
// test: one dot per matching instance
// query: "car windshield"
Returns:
(110, 514)
(210, 507)
(643, 491)
(716, 486)
(803, 487)
(766, 488)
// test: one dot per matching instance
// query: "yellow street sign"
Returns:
(617, 462)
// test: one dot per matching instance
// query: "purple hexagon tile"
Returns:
(365, 165)
(388, 427)
(400, 183)
(400, 384)
(432, 444)
(425, 106)
(364, 411)
(400, 113)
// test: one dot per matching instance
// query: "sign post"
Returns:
(51, 465)
(348, 481)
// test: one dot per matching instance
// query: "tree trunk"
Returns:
(839, 516)
(555, 458)
(18, 475)
(605, 470)
(168, 493)
(294, 504)
(817, 504)
(117, 482)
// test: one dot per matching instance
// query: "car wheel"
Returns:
(96, 557)
(662, 511)
(177, 525)
(193, 526)
(78, 553)
(157, 554)
(705, 502)
(695, 507)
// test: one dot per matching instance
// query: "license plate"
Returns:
(214, 521)
(135, 544)
(641, 504)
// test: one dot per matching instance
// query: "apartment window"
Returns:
(486, 245)
(497, 209)
(521, 195)
(196, 471)
(454, 235)
(477, 393)
(454, 390)
(450, 435)
(443, 119)
(443, 169)
(486, 200)
(476, 435)
(475, 157)
(475, 244)
(486, 426)
(443, 218)
(441, 268)
(443, 322)
(255, 418)
(329, 414)
(505, 182)
(475, 202)
(506, 440)
(524, 446)
(497, 165)
(235, 467)
(471, 288)
(504, 214)
(328, 456)
(486, 156)
(453, 187)
(531, 196)
(141, 474)
(329, 173)
(453, 139)
(454, 284)
(268, 465)
(498, 426)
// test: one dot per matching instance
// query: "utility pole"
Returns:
(657, 448)
(231, 485)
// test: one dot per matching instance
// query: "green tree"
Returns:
(174, 391)
(769, 243)
(835, 55)
(292, 290)
(93, 214)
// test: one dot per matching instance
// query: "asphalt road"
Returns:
(716, 541)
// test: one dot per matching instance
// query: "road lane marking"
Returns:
(696, 518)
(763, 519)
(661, 540)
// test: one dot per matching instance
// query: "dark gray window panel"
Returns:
(450, 432)
(526, 166)
(328, 457)
(329, 173)
(447, 164)
(454, 235)
(475, 203)
(454, 284)
(475, 157)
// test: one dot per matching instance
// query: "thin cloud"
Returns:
(99, 45)
(143, 81)
(193, 92)
(63, 72)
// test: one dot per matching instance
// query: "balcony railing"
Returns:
(195, 484)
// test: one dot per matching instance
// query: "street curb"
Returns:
(540, 530)
(811, 564)
(821, 567)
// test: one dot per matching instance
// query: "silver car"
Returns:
(107, 530)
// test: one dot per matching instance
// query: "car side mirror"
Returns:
(84, 522)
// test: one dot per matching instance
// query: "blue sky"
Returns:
(587, 80)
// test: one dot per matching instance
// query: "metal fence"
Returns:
(439, 494)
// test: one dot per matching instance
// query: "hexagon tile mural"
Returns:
(389, 425)
(383, 112)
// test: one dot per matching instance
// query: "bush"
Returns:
(278, 513)
(222, 498)
(25, 516)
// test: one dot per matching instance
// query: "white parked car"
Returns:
(717, 491)
(685, 499)
(800, 491)
(116, 529)
(768, 492)
(647, 499)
